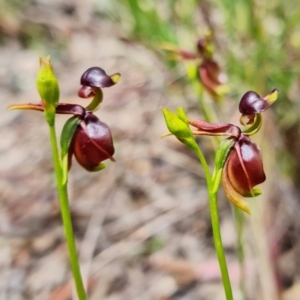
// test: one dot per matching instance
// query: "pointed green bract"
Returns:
(178, 126)
(220, 160)
(67, 134)
(65, 142)
(47, 84)
(222, 153)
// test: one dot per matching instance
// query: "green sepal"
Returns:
(254, 193)
(178, 126)
(47, 84)
(66, 137)
(100, 167)
(96, 102)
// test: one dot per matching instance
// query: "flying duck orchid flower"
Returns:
(207, 71)
(242, 166)
(84, 135)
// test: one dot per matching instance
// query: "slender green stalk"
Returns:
(66, 216)
(212, 185)
(205, 169)
(239, 218)
(213, 204)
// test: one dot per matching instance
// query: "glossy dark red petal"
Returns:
(233, 196)
(214, 129)
(251, 103)
(92, 142)
(244, 166)
(72, 109)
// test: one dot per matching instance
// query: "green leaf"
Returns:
(179, 127)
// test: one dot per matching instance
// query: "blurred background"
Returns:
(143, 225)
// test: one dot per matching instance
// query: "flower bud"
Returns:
(47, 84)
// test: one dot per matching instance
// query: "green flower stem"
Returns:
(213, 184)
(239, 218)
(205, 169)
(66, 216)
(213, 204)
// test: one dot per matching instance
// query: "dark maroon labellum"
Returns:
(245, 167)
(251, 103)
(96, 77)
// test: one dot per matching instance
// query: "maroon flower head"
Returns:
(84, 135)
(238, 160)
(243, 169)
